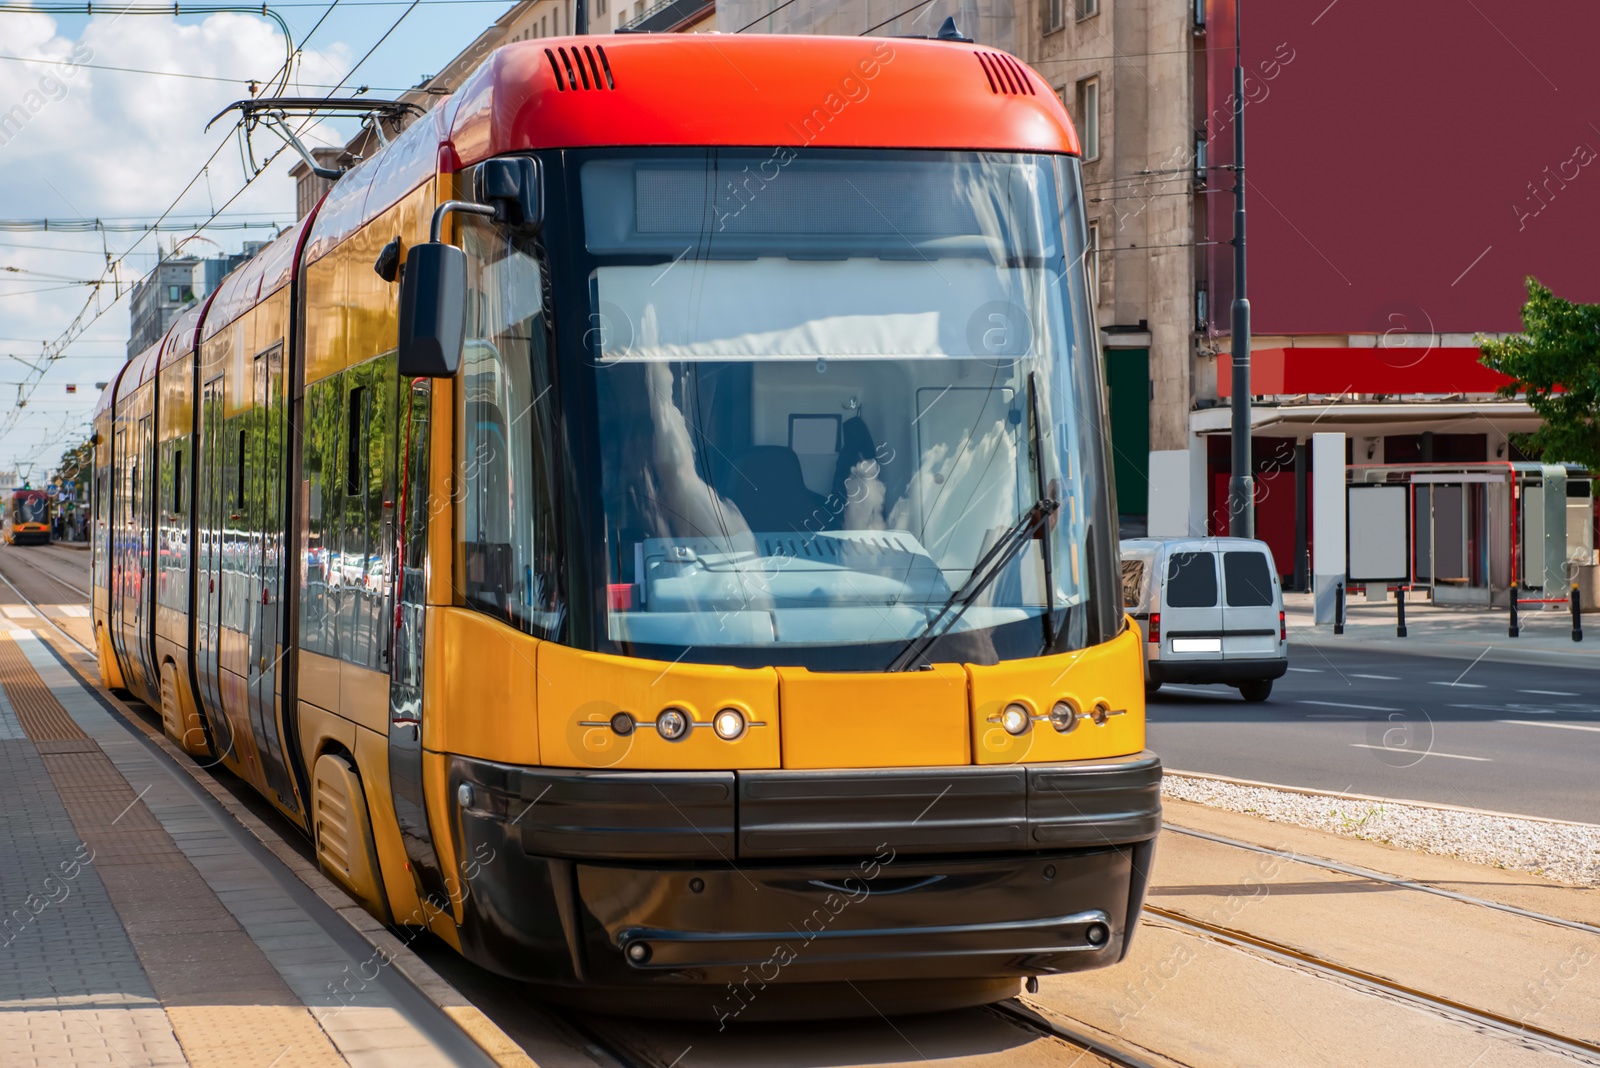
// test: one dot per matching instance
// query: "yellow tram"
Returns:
(26, 517)
(651, 525)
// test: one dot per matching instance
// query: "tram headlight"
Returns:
(1064, 716)
(729, 724)
(1016, 719)
(672, 724)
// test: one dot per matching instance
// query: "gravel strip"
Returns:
(1556, 851)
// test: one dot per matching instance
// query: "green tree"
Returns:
(76, 468)
(1555, 362)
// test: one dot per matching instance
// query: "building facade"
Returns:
(1395, 206)
(159, 296)
(174, 284)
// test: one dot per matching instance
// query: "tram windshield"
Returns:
(829, 384)
(29, 508)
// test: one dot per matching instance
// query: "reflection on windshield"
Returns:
(821, 402)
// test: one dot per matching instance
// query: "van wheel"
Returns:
(1256, 689)
(1152, 685)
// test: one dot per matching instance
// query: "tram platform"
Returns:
(1460, 633)
(144, 926)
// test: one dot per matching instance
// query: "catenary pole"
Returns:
(1241, 487)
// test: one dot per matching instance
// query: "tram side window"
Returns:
(507, 523)
(365, 591)
(319, 576)
(101, 546)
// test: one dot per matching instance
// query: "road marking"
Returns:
(1562, 726)
(1341, 704)
(1384, 678)
(1503, 708)
(1551, 693)
(1308, 671)
(18, 611)
(1463, 685)
(1424, 752)
(75, 610)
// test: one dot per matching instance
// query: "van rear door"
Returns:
(1250, 605)
(1191, 608)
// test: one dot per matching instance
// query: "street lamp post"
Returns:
(1241, 487)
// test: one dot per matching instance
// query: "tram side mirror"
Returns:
(511, 186)
(433, 311)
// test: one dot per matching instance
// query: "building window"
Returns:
(544, 26)
(1089, 117)
(1091, 262)
(172, 292)
(1054, 15)
(599, 7)
(1088, 9)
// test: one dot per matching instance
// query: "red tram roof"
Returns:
(708, 89)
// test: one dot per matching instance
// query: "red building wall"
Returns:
(1409, 163)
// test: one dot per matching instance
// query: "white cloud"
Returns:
(77, 140)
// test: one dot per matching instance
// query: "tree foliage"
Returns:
(1555, 362)
(77, 467)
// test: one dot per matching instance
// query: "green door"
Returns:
(1128, 381)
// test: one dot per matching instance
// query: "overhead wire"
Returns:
(180, 74)
(83, 320)
(895, 18)
(80, 322)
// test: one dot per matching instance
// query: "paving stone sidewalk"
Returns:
(140, 929)
(1454, 633)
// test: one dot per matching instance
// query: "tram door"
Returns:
(123, 603)
(143, 602)
(211, 516)
(406, 663)
(264, 613)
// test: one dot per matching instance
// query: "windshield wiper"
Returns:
(984, 572)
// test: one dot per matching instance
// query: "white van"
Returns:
(1211, 610)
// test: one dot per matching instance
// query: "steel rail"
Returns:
(88, 598)
(33, 605)
(1033, 1019)
(1391, 880)
(1284, 954)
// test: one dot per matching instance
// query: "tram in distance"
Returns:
(651, 526)
(27, 517)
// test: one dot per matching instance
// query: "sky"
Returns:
(90, 142)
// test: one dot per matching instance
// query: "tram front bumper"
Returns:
(669, 878)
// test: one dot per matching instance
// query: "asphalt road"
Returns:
(1506, 737)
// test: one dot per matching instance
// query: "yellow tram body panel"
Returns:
(855, 720)
(580, 692)
(502, 695)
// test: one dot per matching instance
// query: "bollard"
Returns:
(1400, 612)
(1577, 614)
(1338, 609)
(1515, 630)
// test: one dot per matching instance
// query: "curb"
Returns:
(1306, 792)
(487, 1035)
(1584, 660)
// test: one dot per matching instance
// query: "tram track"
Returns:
(1018, 1011)
(1485, 1019)
(26, 556)
(37, 609)
(630, 1044)
(1379, 877)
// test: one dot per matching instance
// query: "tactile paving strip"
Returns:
(226, 1003)
(40, 714)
